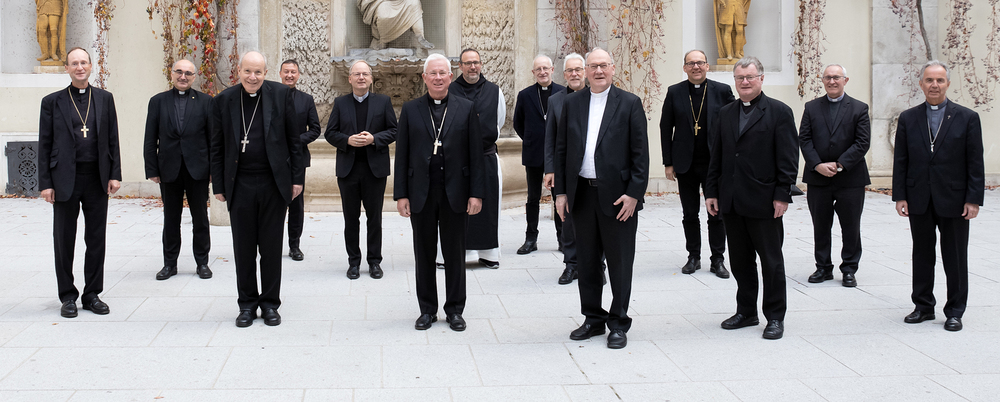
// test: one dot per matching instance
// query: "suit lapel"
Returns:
(685, 94)
(424, 110)
(267, 106)
(949, 113)
(96, 105)
(609, 111)
(755, 115)
(536, 100)
(188, 109)
(352, 113)
(237, 117)
(371, 110)
(169, 104)
(66, 106)
(922, 130)
(844, 105)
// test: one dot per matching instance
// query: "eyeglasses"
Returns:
(832, 77)
(741, 78)
(696, 64)
(79, 63)
(366, 75)
(184, 73)
(602, 66)
(472, 63)
(578, 70)
(437, 74)
(542, 69)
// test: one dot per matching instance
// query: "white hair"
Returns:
(355, 62)
(842, 69)
(605, 51)
(938, 63)
(574, 56)
(436, 56)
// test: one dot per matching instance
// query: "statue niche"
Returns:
(730, 29)
(51, 29)
(389, 19)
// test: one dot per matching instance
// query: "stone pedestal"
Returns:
(54, 69)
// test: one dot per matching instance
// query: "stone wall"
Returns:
(306, 38)
(488, 26)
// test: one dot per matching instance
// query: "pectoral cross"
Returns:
(245, 142)
(437, 143)
(84, 130)
(696, 128)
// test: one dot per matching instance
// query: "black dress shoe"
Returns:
(739, 321)
(953, 324)
(204, 272)
(774, 329)
(68, 309)
(354, 272)
(375, 271)
(424, 321)
(528, 247)
(456, 322)
(586, 331)
(820, 276)
(917, 317)
(568, 275)
(719, 269)
(97, 306)
(296, 254)
(270, 316)
(692, 265)
(246, 317)
(617, 339)
(166, 273)
(850, 281)
(489, 264)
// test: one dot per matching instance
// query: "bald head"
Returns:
(182, 74)
(253, 68)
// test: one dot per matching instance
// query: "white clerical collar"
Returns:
(746, 103)
(82, 90)
(360, 98)
(544, 88)
(602, 94)
(837, 99)
(939, 105)
(696, 86)
(253, 95)
(436, 101)
(179, 92)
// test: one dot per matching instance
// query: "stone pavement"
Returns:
(344, 340)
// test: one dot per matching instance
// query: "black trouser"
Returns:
(603, 235)
(567, 237)
(359, 187)
(749, 238)
(534, 176)
(296, 217)
(689, 185)
(847, 202)
(438, 214)
(173, 205)
(257, 213)
(88, 193)
(954, 257)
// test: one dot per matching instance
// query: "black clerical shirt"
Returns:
(361, 117)
(697, 92)
(254, 158)
(180, 105)
(437, 111)
(86, 147)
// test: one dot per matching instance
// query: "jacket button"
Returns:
(737, 154)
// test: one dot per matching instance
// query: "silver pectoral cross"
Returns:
(245, 142)
(437, 143)
(84, 130)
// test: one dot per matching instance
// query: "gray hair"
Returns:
(842, 69)
(436, 56)
(947, 71)
(574, 56)
(355, 62)
(695, 50)
(547, 58)
(748, 61)
(605, 51)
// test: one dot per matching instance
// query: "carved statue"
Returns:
(730, 31)
(51, 28)
(391, 18)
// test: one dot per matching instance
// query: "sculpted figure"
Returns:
(731, 22)
(51, 28)
(391, 18)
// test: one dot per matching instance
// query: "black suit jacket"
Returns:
(621, 158)
(306, 122)
(381, 124)
(845, 140)
(952, 175)
(677, 124)
(529, 123)
(749, 170)
(165, 146)
(462, 149)
(280, 135)
(57, 141)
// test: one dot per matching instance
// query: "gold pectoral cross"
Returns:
(84, 130)
(696, 128)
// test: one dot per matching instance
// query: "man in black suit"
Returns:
(529, 124)
(362, 163)
(755, 157)
(689, 111)
(307, 123)
(438, 184)
(178, 134)
(602, 168)
(79, 165)
(834, 137)
(575, 77)
(257, 168)
(938, 181)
